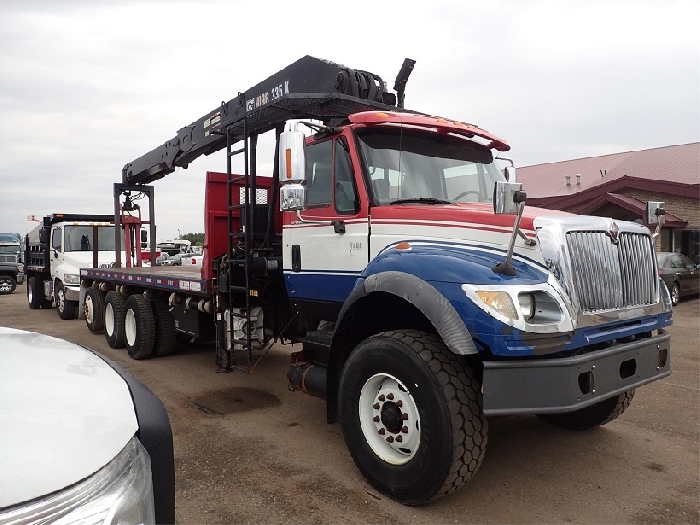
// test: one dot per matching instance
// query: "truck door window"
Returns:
(57, 239)
(319, 173)
(346, 202)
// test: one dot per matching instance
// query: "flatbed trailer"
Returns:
(165, 278)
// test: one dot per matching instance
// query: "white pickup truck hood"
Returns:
(64, 414)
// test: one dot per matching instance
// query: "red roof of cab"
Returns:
(442, 125)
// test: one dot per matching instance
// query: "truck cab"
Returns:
(58, 249)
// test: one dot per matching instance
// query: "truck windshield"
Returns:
(80, 238)
(406, 165)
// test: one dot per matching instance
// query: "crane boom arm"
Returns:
(308, 88)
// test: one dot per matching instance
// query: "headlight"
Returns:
(537, 308)
(121, 492)
(499, 302)
(71, 278)
(527, 305)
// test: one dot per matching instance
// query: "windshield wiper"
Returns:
(421, 200)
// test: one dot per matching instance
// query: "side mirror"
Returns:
(655, 212)
(44, 235)
(510, 173)
(292, 157)
(655, 215)
(507, 197)
(292, 197)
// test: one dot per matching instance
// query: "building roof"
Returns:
(635, 206)
(669, 169)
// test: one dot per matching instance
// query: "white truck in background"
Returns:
(11, 267)
(57, 249)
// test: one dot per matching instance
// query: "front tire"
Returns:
(411, 414)
(675, 294)
(66, 309)
(7, 284)
(593, 416)
(139, 327)
(94, 310)
(114, 319)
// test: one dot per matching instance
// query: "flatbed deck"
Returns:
(170, 278)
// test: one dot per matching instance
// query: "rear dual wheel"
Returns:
(164, 343)
(114, 319)
(35, 293)
(144, 327)
(139, 327)
(94, 306)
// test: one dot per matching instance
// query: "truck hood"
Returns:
(454, 221)
(65, 414)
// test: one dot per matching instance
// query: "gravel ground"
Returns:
(249, 451)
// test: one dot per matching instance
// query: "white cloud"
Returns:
(86, 87)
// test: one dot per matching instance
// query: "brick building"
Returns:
(619, 186)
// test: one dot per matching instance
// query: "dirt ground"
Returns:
(249, 451)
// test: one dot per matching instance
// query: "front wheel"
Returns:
(592, 416)
(7, 284)
(66, 309)
(675, 294)
(411, 414)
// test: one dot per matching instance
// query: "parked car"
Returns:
(11, 274)
(174, 260)
(82, 440)
(681, 275)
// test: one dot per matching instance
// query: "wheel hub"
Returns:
(389, 419)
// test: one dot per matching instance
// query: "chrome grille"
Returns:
(609, 276)
(8, 258)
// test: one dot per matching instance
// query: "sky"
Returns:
(88, 86)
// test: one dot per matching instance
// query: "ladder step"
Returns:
(236, 152)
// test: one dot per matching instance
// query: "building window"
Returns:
(687, 242)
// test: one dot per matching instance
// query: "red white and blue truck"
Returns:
(392, 247)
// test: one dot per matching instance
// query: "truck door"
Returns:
(56, 256)
(326, 251)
